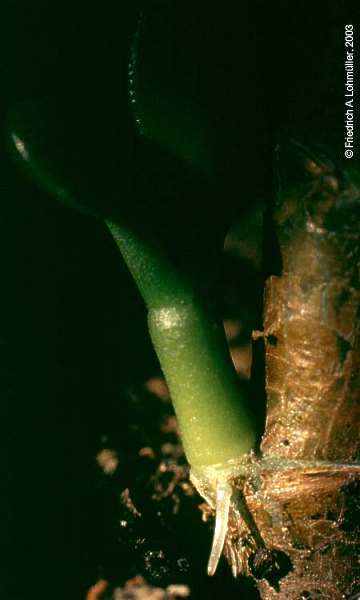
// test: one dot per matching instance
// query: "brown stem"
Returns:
(312, 344)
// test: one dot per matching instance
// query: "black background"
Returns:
(72, 324)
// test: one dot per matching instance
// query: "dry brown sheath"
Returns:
(310, 512)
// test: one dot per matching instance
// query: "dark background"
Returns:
(73, 326)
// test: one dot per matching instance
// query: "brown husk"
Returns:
(309, 514)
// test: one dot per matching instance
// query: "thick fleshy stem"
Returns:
(193, 355)
(215, 426)
(190, 343)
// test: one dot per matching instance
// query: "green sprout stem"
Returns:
(216, 430)
(193, 354)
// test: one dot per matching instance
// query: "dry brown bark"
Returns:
(309, 511)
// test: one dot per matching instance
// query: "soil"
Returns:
(95, 485)
(95, 500)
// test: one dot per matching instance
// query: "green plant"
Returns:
(215, 425)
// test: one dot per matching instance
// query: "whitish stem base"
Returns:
(220, 486)
(216, 485)
(223, 496)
